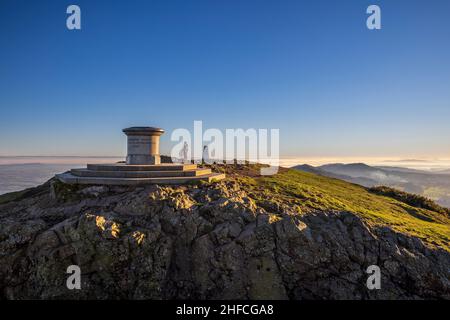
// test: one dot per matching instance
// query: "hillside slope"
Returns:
(431, 184)
(294, 235)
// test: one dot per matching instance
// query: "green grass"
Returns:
(308, 191)
(414, 200)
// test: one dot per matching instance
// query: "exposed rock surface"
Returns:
(206, 241)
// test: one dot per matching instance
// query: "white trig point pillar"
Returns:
(143, 145)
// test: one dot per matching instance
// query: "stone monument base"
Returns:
(126, 174)
(140, 159)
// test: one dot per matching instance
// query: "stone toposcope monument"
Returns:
(143, 165)
(143, 145)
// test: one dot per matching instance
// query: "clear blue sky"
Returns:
(310, 68)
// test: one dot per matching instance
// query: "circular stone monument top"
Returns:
(143, 131)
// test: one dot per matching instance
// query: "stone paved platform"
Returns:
(123, 174)
(141, 167)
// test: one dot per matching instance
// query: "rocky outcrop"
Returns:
(208, 241)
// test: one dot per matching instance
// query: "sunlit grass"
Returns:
(309, 191)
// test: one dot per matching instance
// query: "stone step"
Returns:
(135, 167)
(139, 174)
(72, 179)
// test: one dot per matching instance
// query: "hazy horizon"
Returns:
(423, 164)
(21, 172)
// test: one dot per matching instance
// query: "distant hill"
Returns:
(352, 169)
(434, 185)
(366, 182)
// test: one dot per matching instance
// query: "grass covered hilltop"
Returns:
(304, 192)
(294, 235)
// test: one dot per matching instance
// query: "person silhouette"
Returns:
(185, 152)
(205, 157)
